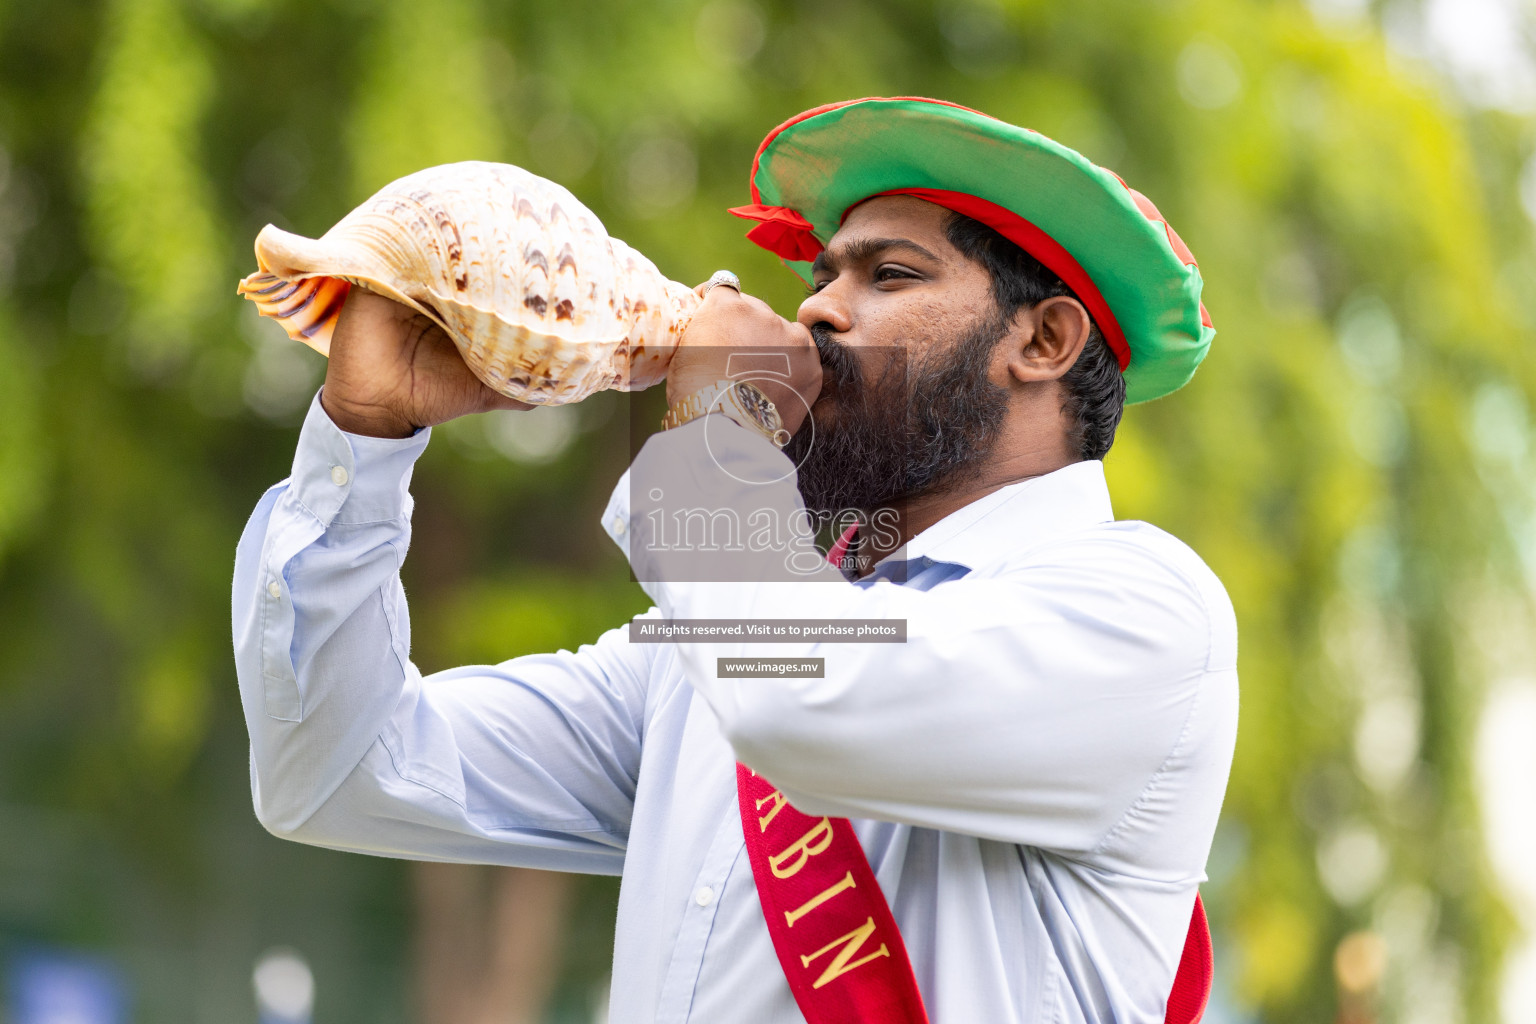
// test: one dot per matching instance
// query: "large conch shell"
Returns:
(544, 306)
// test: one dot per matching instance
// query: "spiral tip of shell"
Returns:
(307, 309)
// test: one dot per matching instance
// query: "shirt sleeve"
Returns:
(531, 762)
(1081, 699)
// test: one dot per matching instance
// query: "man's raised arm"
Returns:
(530, 762)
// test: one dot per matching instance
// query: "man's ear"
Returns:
(1047, 339)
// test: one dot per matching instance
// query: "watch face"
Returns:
(757, 405)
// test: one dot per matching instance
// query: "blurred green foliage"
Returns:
(1352, 460)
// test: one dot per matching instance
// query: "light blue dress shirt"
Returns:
(1035, 775)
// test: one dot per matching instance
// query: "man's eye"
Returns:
(891, 273)
(814, 287)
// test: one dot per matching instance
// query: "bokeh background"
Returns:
(1355, 459)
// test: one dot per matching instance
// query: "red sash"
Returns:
(834, 933)
(830, 924)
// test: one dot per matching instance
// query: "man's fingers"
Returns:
(728, 301)
(800, 332)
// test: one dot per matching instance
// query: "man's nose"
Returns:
(826, 306)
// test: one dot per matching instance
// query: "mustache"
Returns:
(906, 430)
(840, 370)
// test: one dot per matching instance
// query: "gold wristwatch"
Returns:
(740, 400)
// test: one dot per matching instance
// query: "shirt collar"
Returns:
(1016, 517)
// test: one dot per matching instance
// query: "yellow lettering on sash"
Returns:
(803, 849)
(851, 944)
(791, 916)
(778, 802)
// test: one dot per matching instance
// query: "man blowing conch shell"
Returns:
(1003, 816)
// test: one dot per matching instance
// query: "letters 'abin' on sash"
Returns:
(829, 921)
(834, 933)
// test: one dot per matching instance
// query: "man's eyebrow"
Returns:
(861, 250)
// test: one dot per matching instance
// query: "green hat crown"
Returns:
(1105, 240)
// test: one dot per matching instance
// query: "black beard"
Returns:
(924, 426)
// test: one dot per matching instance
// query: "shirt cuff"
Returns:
(713, 501)
(690, 444)
(350, 478)
(616, 515)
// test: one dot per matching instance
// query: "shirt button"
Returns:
(274, 590)
(619, 528)
(704, 897)
(339, 476)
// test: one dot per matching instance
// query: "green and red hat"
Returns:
(1105, 240)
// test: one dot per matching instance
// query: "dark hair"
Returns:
(1094, 389)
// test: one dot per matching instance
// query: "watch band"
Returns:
(725, 397)
(691, 407)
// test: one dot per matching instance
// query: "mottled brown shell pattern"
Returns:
(544, 306)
